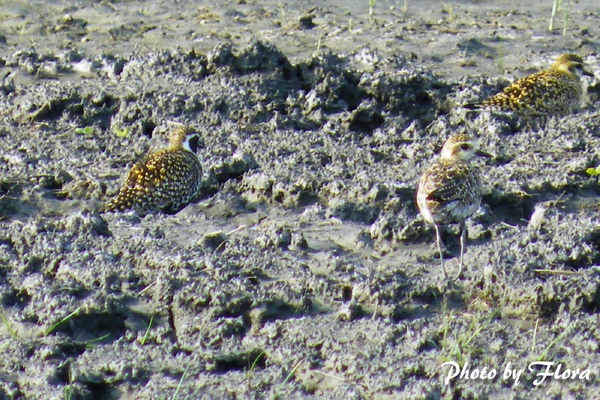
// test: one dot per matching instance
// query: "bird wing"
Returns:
(513, 97)
(158, 180)
(531, 93)
(447, 183)
(156, 169)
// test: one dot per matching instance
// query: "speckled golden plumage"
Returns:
(449, 191)
(166, 180)
(557, 91)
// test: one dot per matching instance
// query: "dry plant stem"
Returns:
(553, 15)
(565, 17)
(555, 9)
(534, 335)
(557, 272)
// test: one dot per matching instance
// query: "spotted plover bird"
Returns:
(450, 190)
(166, 180)
(556, 91)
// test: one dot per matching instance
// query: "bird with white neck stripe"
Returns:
(166, 180)
(556, 91)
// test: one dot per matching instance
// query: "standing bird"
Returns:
(450, 190)
(166, 180)
(556, 91)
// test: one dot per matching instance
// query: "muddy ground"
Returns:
(303, 270)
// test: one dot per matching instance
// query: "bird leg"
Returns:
(438, 240)
(463, 240)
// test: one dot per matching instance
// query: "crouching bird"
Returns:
(165, 180)
(556, 91)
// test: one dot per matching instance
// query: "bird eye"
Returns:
(465, 146)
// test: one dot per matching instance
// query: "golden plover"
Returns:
(556, 91)
(450, 190)
(165, 180)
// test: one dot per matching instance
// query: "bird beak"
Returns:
(482, 153)
(588, 73)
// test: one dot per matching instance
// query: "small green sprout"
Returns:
(317, 52)
(249, 373)
(556, 6)
(122, 133)
(287, 378)
(145, 338)
(8, 326)
(371, 7)
(90, 343)
(593, 171)
(180, 383)
(501, 67)
(88, 130)
(62, 321)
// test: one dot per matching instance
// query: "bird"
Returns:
(165, 180)
(449, 191)
(556, 91)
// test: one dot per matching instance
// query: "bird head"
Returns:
(186, 138)
(572, 64)
(462, 147)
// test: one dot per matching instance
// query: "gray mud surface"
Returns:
(303, 270)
